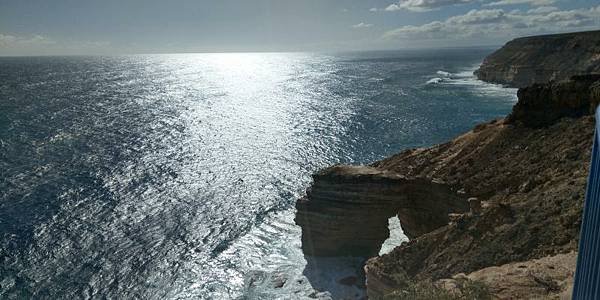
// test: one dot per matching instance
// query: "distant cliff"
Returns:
(539, 59)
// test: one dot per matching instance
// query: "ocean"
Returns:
(175, 176)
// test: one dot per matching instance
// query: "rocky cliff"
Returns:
(528, 171)
(531, 182)
(539, 59)
(346, 211)
(542, 104)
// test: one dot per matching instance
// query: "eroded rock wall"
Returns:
(542, 104)
(346, 211)
(550, 277)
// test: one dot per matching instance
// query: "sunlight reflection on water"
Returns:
(174, 176)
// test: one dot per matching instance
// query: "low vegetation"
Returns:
(468, 290)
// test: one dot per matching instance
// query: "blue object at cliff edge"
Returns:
(587, 276)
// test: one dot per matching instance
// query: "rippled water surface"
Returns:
(174, 176)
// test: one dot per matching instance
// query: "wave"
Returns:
(435, 80)
(467, 78)
(443, 73)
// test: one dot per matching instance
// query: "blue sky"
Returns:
(151, 26)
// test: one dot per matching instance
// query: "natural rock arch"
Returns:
(346, 211)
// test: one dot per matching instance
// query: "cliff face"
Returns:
(529, 170)
(525, 61)
(346, 211)
(542, 104)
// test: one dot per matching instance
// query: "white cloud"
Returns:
(41, 45)
(424, 5)
(6, 40)
(492, 23)
(569, 18)
(393, 7)
(374, 9)
(542, 10)
(362, 25)
(429, 5)
(482, 16)
(530, 2)
(11, 41)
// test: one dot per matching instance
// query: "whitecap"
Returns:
(466, 77)
(444, 73)
(436, 80)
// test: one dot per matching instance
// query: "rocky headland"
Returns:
(499, 206)
(540, 59)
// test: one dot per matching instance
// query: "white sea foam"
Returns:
(396, 238)
(443, 73)
(435, 80)
(282, 269)
(467, 79)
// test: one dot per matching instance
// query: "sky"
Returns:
(57, 27)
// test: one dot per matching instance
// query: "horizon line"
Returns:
(251, 52)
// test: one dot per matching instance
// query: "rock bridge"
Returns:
(346, 211)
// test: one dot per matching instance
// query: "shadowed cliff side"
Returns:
(540, 59)
(542, 104)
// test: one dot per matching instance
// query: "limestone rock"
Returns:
(549, 277)
(532, 188)
(475, 206)
(346, 210)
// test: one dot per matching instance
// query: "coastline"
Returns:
(518, 184)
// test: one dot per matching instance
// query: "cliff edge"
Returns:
(540, 59)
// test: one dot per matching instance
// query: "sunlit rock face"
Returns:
(539, 59)
(347, 209)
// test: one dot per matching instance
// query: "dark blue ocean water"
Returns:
(174, 176)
